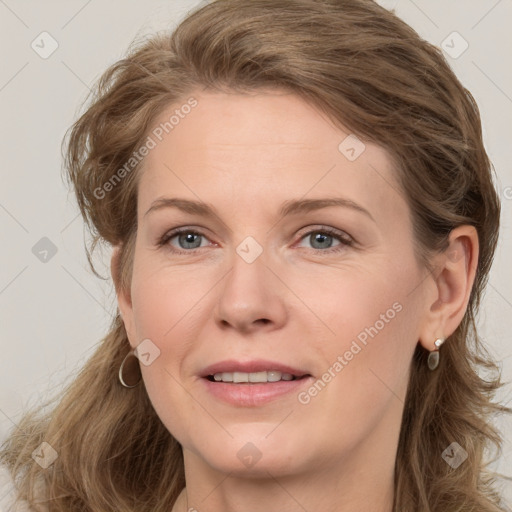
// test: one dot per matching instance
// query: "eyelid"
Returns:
(168, 235)
(344, 238)
(337, 233)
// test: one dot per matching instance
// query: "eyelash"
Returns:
(345, 240)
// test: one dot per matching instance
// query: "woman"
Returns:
(303, 219)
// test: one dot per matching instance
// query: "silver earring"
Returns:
(130, 376)
(433, 357)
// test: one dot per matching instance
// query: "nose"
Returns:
(251, 297)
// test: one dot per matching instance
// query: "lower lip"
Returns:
(252, 395)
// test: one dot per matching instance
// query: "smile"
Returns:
(253, 377)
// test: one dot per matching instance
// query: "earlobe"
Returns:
(451, 285)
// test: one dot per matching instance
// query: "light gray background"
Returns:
(54, 313)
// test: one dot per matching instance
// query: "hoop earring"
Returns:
(128, 376)
(433, 357)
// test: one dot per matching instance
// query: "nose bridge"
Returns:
(250, 292)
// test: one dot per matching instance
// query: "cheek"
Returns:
(366, 371)
(372, 326)
(377, 358)
(355, 305)
(162, 298)
(163, 307)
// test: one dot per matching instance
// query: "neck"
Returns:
(288, 495)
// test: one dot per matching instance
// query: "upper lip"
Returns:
(254, 365)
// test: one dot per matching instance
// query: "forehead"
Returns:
(270, 143)
(260, 118)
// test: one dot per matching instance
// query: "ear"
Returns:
(450, 286)
(124, 300)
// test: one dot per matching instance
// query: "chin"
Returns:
(250, 454)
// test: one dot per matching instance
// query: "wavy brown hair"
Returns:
(369, 72)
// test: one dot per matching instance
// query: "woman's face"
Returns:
(269, 277)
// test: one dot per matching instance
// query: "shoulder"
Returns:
(8, 494)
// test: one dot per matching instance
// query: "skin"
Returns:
(297, 303)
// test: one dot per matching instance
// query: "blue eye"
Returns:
(190, 240)
(324, 237)
(187, 239)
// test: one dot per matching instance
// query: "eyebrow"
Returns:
(291, 207)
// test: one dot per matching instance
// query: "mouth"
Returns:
(253, 383)
(254, 377)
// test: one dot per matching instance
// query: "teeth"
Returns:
(257, 377)
(273, 376)
(237, 377)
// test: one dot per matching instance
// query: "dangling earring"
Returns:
(433, 357)
(131, 375)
